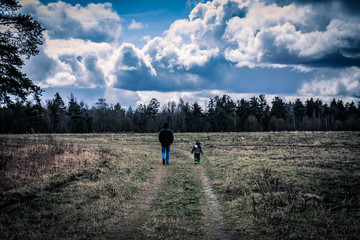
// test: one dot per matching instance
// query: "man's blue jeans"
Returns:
(167, 151)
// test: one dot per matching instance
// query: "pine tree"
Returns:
(278, 108)
(56, 108)
(80, 121)
(243, 112)
(101, 108)
(197, 118)
(299, 112)
(34, 113)
(19, 36)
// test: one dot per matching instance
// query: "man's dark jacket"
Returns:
(166, 137)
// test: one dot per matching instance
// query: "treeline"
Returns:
(222, 114)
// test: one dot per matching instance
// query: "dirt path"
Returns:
(135, 214)
(212, 212)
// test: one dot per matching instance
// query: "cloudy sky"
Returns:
(132, 51)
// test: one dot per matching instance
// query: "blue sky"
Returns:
(132, 51)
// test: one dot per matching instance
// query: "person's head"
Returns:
(197, 141)
(166, 125)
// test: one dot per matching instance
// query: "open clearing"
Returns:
(276, 185)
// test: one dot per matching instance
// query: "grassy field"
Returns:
(277, 185)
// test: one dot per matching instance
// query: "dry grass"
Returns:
(296, 185)
(288, 185)
(35, 159)
(177, 214)
(82, 191)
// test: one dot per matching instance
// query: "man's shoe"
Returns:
(167, 163)
(196, 162)
(163, 161)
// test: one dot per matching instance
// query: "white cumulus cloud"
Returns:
(96, 22)
(220, 38)
(345, 83)
(136, 25)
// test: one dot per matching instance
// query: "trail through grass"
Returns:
(212, 206)
(288, 185)
(136, 211)
(175, 211)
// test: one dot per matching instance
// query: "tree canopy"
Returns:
(20, 36)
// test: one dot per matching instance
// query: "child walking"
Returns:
(197, 150)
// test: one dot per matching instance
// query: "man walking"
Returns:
(166, 138)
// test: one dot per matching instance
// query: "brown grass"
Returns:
(80, 188)
(26, 160)
(290, 185)
(276, 185)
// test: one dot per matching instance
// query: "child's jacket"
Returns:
(197, 149)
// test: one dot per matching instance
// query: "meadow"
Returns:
(273, 185)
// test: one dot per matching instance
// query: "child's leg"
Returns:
(196, 157)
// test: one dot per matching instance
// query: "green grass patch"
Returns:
(177, 211)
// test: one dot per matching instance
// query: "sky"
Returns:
(129, 52)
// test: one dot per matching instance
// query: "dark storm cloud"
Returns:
(94, 73)
(335, 60)
(345, 54)
(85, 69)
(130, 70)
(351, 6)
(40, 67)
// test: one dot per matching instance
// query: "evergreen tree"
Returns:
(313, 108)
(264, 117)
(34, 114)
(100, 116)
(243, 112)
(19, 36)
(118, 117)
(278, 115)
(197, 118)
(140, 118)
(341, 111)
(178, 121)
(186, 111)
(56, 110)
(326, 115)
(255, 107)
(299, 112)
(351, 109)
(211, 116)
(152, 112)
(153, 108)
(333, 113)
(87, 119)
(80, 121)
(221, 113)
(278, 108)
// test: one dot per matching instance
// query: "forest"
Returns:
(222, 114)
